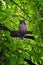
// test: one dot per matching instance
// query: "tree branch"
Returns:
(29, 61)
(15, 15)
(16, 33)
(2, 19)
(2, 27)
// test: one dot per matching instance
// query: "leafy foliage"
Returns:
(13, 51)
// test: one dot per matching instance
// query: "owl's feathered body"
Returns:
(22, 29)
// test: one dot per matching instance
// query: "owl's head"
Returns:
(22, 21)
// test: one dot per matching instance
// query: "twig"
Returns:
(20, 8)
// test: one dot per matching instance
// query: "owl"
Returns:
(22, 28)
